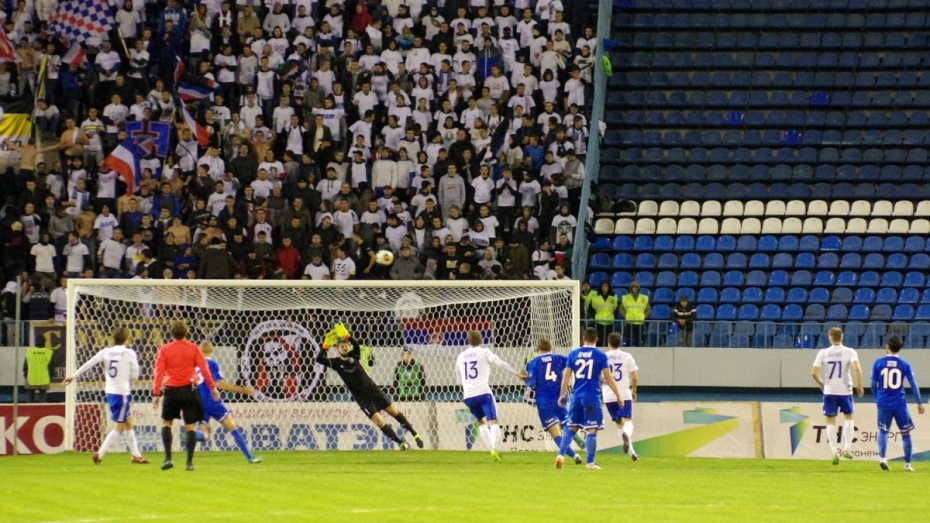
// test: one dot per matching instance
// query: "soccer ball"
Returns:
(384, 258)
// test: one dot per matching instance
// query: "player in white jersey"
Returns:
(625, 372)
(838, 360)
(474, 369)
(121, 366)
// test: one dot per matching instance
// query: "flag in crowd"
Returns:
(150, 138)
(75, 55)
(192, 93)
(203, 137)
(7, 50)
(80, 20)
(125, 161)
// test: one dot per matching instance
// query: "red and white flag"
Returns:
(7, 50)
(75, 55)
(203, 137)
(125, 161)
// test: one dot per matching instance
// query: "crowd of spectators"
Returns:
(452, 134)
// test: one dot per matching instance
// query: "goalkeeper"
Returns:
(370, 398)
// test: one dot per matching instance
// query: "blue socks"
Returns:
(908, 447)
(566, 444)
(570, 452)
(590, 447)
(883, 443)
(239, 436)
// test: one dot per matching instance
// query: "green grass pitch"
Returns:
(448, 487)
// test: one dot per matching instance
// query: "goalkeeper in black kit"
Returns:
(370, 398)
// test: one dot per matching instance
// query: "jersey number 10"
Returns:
(891, 379)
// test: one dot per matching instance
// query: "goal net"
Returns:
(267, 334)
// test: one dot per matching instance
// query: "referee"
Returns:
(176, 368)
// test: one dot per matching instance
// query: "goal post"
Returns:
(266, 335)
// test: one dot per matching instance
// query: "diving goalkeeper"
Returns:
(370, 398)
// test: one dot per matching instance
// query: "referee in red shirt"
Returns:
(176, 369)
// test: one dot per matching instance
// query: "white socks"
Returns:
(831, 437)
(495, 436)
(628, 430)
(112, 438)
(849, 427)
(133, 443)
(486, 436)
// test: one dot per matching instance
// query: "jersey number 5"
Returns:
(585, 369)
(112, 370)
(471, 370)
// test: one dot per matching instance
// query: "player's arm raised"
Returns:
(229, 387)
(608, 378)
(496, 360)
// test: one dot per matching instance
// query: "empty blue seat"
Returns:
(914, 244)
(663, 244)
(735, 260)
(909, 295)
(873, 260)
(922, 313)
(748, 311)
(892, 279)
(797, 295)
(777, 278)
(597, 278)
(805, 260)
(792, 312)
(774, 295)
(726, 243)
(896, 260)
(755, 278)
(903, 313)
(782, 260)
(837, 312)
(643, 243)
(734, 278)
(691, 260)
(869, 279)
(819, 295)
(828, 260)
(886, 295)
(713, 260)
(684, 244)
(704, 312)
(847, 279)
(620, 280)
(801, 278)
(825, 278)
(864, 295)
(623, 261)
(881, 313)
(859, 312)
(842, 295)
(758, 260)
(726, 312)
(708, 295)
(752, 295)
(710, 279)
(667, 279)
(851, 260)
(600, 261)
(645, 261)
(705, 243)
(730, 295)
(668, 260)
(914, 279)
(768, 243)
(687, 279)
(747, 243)
(814, 312)
(771, 312)
(783, 341)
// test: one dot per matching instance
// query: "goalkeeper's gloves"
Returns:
(341, 331)
(329, 340)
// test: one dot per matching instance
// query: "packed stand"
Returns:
(453, 135)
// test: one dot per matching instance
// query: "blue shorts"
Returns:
(586, 414)
(900, 415)
(215, 410)
(119, 407)
(833, 403)
(551, 414)
(619, 410)
(482, 407)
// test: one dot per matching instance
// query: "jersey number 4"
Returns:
(585, 369)
(892, 379)
(551, 376)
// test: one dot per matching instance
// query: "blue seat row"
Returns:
(764, 191)
(800, 97)
(801, 173)
(728, 154)
(791, 20)
(758, 142)
(776, 118)
(836, 10)
(760, 278)
(767, 243)
(781, 260)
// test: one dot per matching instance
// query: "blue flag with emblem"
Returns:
(149, 138)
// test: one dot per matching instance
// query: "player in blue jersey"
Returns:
(588, 366)
(543, 374)
(888, 375)
(216, 409)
